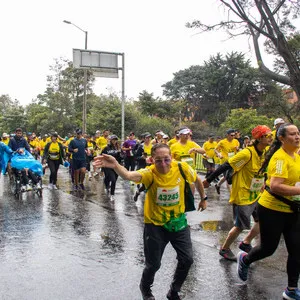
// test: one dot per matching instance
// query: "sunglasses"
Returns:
(160, 161)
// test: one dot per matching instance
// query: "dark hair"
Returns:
(158, 146)
(281, 131)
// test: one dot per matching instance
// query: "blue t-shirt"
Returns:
(79, 144)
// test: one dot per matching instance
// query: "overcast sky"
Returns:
(152, 34)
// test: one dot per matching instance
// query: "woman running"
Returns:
(279, 209)
(54, 156)
(110, 176)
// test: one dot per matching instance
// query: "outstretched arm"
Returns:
(108, 161)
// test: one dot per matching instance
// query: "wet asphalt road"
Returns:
(83, 246)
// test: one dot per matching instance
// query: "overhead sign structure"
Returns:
(103, 64)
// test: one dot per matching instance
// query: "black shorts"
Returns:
(78, 164)
(243, 213)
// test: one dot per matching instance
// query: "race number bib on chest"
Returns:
(167, 196)
(256, 184)
(230, 154)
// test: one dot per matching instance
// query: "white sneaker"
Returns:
(38, 186)
(28, 187)
(50, 186)
(112, 198)
(23, 188)
(55, 187)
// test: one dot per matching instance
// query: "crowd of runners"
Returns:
(261, 172)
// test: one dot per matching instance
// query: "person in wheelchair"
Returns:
(31, 169)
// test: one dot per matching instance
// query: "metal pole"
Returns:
(84, 92)
(123, 96)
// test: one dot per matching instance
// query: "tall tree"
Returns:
(271, 19)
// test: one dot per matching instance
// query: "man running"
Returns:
(164, 214)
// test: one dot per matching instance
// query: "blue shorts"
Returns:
(78, 164)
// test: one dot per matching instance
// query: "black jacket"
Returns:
(61, 152)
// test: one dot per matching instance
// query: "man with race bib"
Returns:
(164, 213)
(185, 149)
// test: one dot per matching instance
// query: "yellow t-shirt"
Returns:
(5, 141)
(54, 151)
(147, 149)
(180, 152)
(283, 166)
(42, 145)
(209, 148)
(102, 142)
(247, 164)
(165, 197)
(227, 149)
(172, 141)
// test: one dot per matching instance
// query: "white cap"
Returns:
(5, 135)
(165, 136)
(184, 131)
(278, 121)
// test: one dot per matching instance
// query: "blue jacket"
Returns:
(17, 143)
(5, 154)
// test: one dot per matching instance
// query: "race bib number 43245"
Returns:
(167, 196)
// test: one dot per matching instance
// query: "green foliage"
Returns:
(211, 91)
(244, 120)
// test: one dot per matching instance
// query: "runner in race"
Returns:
(278, 209)
(164, 214)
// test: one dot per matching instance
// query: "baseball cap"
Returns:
(211, 135)
(78, 131)
(184, 131)
(230, 130)
(4, 135)
(147, 134)
(113, 137)
(131, 133)
(165, 136)
(278, 121)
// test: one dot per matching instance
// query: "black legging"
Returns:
(129, 163)
(53, 167)
(110, 179)
(272, 224)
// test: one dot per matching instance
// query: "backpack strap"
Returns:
(181, 171)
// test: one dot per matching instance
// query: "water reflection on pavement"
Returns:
(83, 246)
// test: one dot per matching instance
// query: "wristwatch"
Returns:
(205, 198)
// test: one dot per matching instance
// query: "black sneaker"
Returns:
(82, 186)
(228, 254)
(172, 295)
(217, 188)
(146, 293)
(245, 247)
(136, 195)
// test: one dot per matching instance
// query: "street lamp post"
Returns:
(84, 80)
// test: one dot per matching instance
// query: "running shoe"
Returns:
(136, 195)
(172, 295)
(76, 188)
(50, 186)
(146, 293)
(82, 186)
(38, 186)
(217, 188)
(55, 187)
(242, 268)
(23, 188)
(112, 198)
(291, 294)
(28, 187)
(245, 247)
(227, 254)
